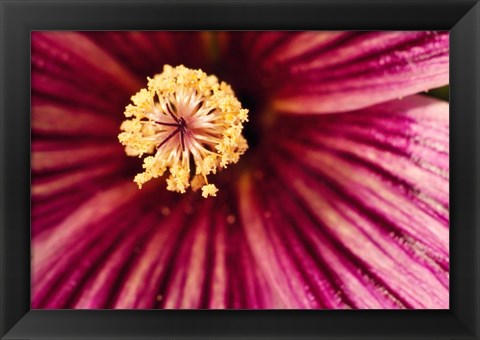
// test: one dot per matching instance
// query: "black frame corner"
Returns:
(19, 17)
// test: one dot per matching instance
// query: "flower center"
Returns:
(184, 116)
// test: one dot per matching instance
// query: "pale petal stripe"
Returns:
(270, 255)
(101, 284)
(53, 120)
(75, 267)
(147, 272)
(88, 176)
(51, 160)
(95, 57)
(413, 281)
(354, 287)
(327, 72)
(186, 283)
(219, 280)
(48, 245)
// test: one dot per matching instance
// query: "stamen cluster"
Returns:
(184, 116)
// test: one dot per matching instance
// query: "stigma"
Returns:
(187, 124)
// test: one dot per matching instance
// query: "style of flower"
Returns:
(194, 116)
(340, 201)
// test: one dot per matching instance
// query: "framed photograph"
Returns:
(231, 169)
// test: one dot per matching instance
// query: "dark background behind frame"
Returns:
(18, 17)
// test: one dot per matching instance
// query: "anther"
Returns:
(184, 115)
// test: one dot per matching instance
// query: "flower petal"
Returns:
(379, 206)
(326, 72)
(128, 277)
(186, 264)
(102, 70)
(52, 156)
(279, 255)
(70, 67)
(125, 248)
(360, 220)
(53, 250)
(145, 52)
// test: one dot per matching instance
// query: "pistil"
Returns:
(184, 114)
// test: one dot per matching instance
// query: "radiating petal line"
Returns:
(60, 120)
(186, 284)
(352, 72)
(47, 246)
(337, 217)
(75, 178)
(431, 190)
(380, 197)
(141, 285)
(66, 277)
(44, 161)
(322, 286)
(145, 52)
(270, 253)
(218, 289)
(48, 212)
(101, 285)
(403, 153)
(78, 46)
(355, 287)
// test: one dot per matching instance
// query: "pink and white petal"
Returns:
(406, 140)
(148, 251)
(60, 185)
(101, 70)
(70, 257)
(145, 52)
(333, 278)
(70, 67)
(53, 250)
(195, 258)
(386, 264)
(234, 280)
(186, 286)
(72, 276)
(326, 72)
(377, 206)
(153, 270)
(76, 51)
(131, 275)
(281, 256)
(51, 156)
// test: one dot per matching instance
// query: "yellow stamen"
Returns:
(184, 114)
(209, 190)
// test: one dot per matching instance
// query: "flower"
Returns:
(340, 201)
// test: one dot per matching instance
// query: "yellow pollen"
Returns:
(184, 115)
(209, 190)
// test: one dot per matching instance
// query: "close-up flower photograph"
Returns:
(244, 170)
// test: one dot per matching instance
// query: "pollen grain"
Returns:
(184, 116)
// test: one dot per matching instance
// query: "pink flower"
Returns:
(341, 200)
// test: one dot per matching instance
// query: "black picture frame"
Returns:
(19, 17)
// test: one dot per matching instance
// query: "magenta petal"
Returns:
(282, 256)
(145, 52)
(99, 71)
(346, 210)
(71, 68)
(124, 248)
(186, 264)
(325, 72)
(137, 265)
(54, 251)
(171, 258)
(382, 200)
